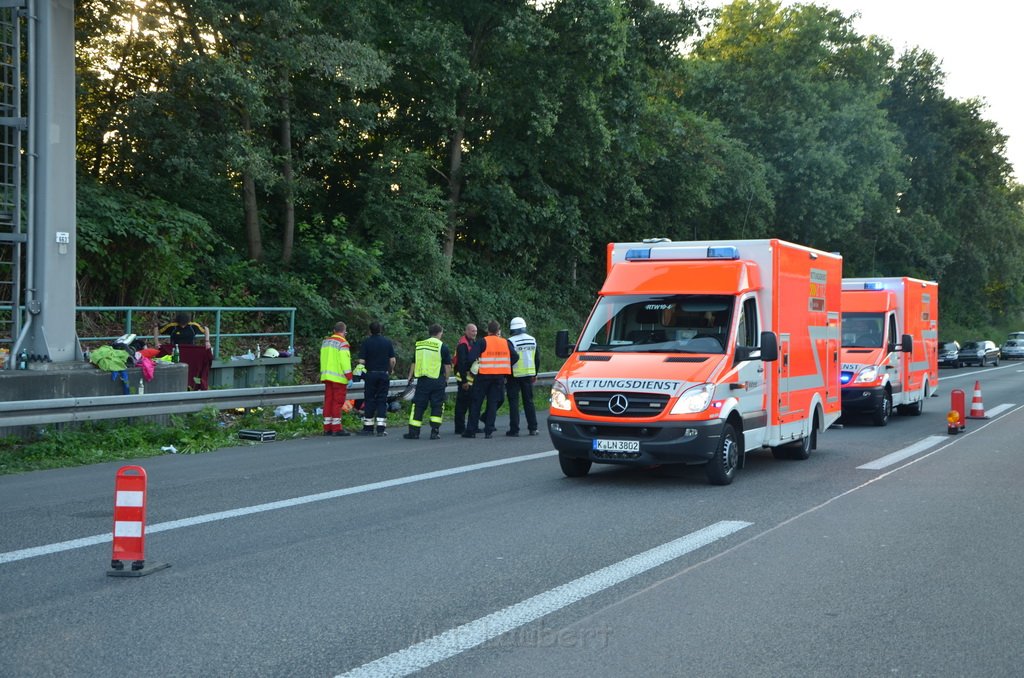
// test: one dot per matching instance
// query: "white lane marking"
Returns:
(455, 641)
(999, 409)
(900, 455)
(12, 556)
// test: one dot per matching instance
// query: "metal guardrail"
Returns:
(216, 328)
(95, 408)
(131, 323)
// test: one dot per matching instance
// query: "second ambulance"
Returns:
(890, 345)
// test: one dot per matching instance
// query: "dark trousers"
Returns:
(428, 392)
(375, 394)
(463, 399)
(489, 387)
(521, 387)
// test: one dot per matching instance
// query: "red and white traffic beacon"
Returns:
(130, 525)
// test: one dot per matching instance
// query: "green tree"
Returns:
(803, 90)
(961, 221)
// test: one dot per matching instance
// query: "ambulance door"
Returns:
(896, 361)
(750, 385)
(833, 391)
(783, 377)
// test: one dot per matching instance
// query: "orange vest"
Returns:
(495, 358)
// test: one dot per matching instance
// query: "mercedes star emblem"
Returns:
(618, 404)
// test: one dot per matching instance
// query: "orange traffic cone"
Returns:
(977, 408)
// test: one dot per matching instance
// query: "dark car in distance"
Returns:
(979, 353)
(949, 353)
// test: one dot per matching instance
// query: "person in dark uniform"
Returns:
(461, 364)
(182, 331)
(524, 376)
(496, 357)
(431, 368)
(377, 354)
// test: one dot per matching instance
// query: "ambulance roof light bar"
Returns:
(683, 253)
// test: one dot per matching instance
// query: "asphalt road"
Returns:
(458, 557)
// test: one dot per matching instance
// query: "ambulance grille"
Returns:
(605, 404)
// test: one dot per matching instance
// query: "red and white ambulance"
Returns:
(890, 345)
(699, 352)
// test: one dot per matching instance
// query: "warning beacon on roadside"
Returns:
(130, 525)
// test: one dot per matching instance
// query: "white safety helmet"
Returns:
(517, 324)
(271, 353)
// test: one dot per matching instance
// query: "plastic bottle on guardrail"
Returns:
(176, 354)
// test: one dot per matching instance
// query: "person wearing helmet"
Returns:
(433, 363)
(524, 375)
(496, 356)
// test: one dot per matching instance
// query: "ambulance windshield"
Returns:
(678, 323)
(863, 330)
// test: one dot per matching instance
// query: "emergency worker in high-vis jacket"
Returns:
(495, 357)
(335, 373)
(524, 375)
(464, 377)
(432, 366)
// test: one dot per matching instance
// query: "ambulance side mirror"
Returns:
(563, 349)
(907, 345)
(767, 352)
(769, 347)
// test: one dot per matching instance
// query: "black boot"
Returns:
(413, 434)
(435, 434)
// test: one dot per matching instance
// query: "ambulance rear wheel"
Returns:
(915, 409)
(802, 448)
(722, 468)
(881, 415)
(573, 467)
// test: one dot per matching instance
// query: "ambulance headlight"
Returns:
(867, 375)
(560, 397)
(694, 400)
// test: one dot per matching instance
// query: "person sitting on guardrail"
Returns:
(183, 330)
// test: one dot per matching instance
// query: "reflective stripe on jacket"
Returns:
(495, 358)
(335, 359)
(526, 347)
(428, 358)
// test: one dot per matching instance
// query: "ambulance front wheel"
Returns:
(881, 415)
(722, 468)
(573, 467)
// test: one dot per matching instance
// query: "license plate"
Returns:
(616, 445)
